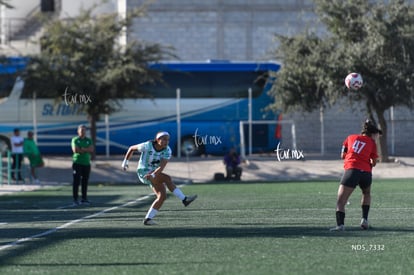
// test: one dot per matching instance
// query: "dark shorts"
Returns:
(354, 177)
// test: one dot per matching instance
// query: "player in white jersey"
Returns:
(154, 157)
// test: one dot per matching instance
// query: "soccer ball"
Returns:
(353, 81)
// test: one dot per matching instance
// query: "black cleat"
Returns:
(189, 200)
(149, 221)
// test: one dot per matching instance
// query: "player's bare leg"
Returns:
(344, 192)
(161, 195)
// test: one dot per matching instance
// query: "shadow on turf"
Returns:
(158, 232)
(77, 264)
(30, 207)
(255, 232)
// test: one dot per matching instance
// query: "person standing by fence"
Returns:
(17, 154)
(32, 152)
(82, 148)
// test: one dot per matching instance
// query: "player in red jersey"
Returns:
(359, 153)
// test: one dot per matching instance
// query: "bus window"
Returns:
(208, 84)
(6, 84)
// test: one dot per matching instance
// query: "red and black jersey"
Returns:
(359, 152)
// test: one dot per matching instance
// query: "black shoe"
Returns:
(85, 202)
(76, 203)
(149, 221)
(189, 200)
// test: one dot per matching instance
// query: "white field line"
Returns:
(53, 230)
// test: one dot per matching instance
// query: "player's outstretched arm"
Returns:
(128, 155)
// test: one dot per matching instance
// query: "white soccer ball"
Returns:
(353, 81)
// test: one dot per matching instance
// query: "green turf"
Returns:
(248, 228)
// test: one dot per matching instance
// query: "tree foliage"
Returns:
(82, 56)
(374, 39)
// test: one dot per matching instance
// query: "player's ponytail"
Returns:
(369, 128)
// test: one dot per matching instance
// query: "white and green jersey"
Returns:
(150, 158)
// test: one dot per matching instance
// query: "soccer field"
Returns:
(247, 228)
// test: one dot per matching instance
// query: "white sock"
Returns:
(151, 213)
(178, 193)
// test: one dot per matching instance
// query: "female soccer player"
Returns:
(360, 155)
(154, 157)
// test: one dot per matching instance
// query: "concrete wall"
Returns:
(221, 29)
(14, 19)
(71, 8)
(21, 8)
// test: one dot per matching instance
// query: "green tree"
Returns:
(373, 39)
(82, 56)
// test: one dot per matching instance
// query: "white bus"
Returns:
(213, 100)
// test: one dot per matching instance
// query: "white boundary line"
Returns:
(53, 230)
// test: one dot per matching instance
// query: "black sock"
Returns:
(365, 210)
(340, 218)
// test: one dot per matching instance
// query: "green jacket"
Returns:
(81, 158)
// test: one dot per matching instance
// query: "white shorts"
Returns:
(141, 176)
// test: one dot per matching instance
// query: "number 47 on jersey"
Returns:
(358, 146)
